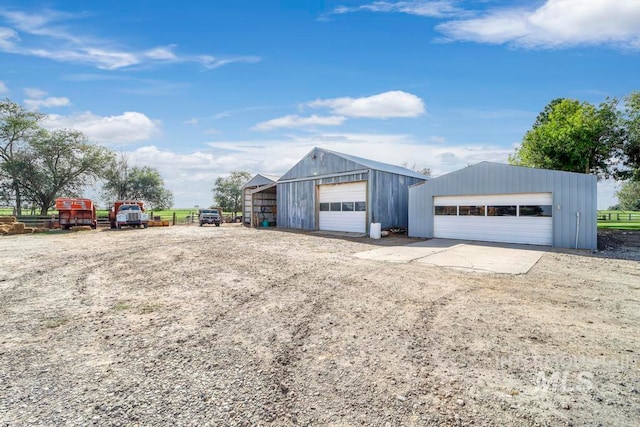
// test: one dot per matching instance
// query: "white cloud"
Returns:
(191, 175)
(125, 128)
(33, 92)
(3, 88)
(555, 24)
(382, 106)
(437, 139)
(430, 8)
(277, 156)
(51, 41)
(161, 53)
(8, 37)
(51, 101)
(294, 121)
(191, 122)
(212, 62)
(37, 98)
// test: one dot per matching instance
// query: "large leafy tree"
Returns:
(58, 163)
(227, 192)
(136, 183)
(629, 196)
(17, 127)
(630, 148)
(572, 136)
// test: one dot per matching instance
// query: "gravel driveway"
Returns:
(194, 326)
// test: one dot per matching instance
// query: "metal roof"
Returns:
(372, 164)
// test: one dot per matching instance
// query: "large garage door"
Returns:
(343, 207)
(510, 218)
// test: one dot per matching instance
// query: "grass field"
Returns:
(619, 220)
(181, 214)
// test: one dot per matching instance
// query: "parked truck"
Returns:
(74, 212)
(129, 213)
(210, 216)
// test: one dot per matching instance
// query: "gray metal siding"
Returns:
(320, 162)
(572, 192)
(297, 200)
(297, 205)
(389, 198)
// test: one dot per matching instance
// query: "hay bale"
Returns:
(17, 227)
(81, 228)
(28, 230)
(40, 230)
(7, 219)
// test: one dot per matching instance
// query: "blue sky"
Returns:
(198, 89)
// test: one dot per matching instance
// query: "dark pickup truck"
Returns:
(210, 216)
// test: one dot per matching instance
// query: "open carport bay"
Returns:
(234, 326)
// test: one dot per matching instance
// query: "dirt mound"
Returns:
(619, 243)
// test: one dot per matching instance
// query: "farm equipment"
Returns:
(128, 213)
(76, 212)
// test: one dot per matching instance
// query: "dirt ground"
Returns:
(231, 326)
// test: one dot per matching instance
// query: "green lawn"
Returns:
(181, 214)
(620, 220)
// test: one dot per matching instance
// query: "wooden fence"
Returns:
(48, 221)
(619, 216)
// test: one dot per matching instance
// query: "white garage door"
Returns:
(343, 207)
(511, 218)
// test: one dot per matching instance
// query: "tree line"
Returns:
(602, 140)
(39, 165)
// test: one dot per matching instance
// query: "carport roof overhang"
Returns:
(263, 188)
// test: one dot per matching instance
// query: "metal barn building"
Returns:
(339, 192)
(259, 200)
(503, 203)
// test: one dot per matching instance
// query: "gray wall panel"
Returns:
(573, 192)
(319, 162)
(389, 198)
(297, 205)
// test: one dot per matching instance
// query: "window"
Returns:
(501, 211)
(536, 210)
(361, 206)
(446, 210)
(347, 206)
(324, 207)
(472, 210)
(335, 206)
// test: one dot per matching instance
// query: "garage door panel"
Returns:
(348, 221)
(531, 230)
(496, 199)
(339, 221)
(507, 229)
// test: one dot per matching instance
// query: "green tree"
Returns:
(572, 136)
(59, 163)
(630, 148)
(136, 183)
(17, 127)
(227, 192)
(629, 196)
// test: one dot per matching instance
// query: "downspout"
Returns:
(577, 227)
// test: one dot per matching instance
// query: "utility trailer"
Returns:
(74, 212)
